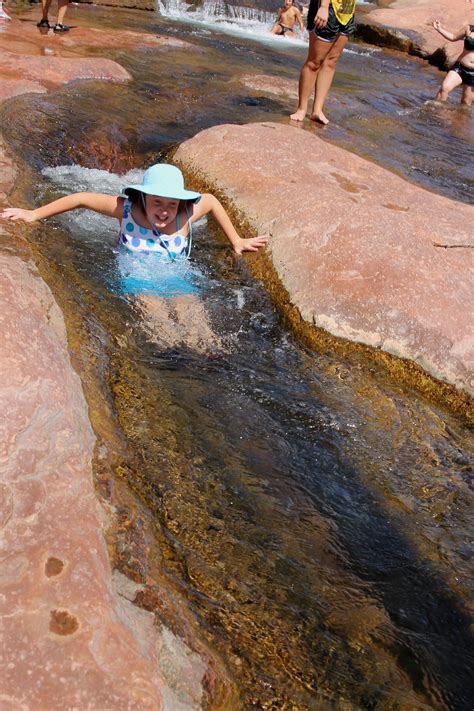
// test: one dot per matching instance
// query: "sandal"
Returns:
(43, 23)
(61, 28)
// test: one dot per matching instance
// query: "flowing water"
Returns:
(314, 515)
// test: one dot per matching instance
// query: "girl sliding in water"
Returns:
(462, 71)
(156, 220)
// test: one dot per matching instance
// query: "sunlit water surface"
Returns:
(316, 516)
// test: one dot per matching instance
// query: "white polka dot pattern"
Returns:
(141, 239)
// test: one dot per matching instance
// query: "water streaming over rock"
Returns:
(256, 15)
(312, 515)
(214, 10)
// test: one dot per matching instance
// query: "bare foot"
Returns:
(298, 115)
(319, 118)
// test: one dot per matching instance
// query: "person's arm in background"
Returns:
(451, 36)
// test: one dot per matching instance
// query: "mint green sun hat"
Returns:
(164, 180)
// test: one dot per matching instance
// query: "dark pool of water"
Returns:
(315, 515)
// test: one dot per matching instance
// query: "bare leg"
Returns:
(62, 7)
(45, 4)
(276, 30)
(325, 77)
(192, 318)
(158, 321)
(178, 321)
(467, 95)
(451, 81)
(318, 49)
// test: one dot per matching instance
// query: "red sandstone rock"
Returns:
(34, 61)
(51, 72)
(269, 84)
(414, 18)
(94, 37)
(71, 637)
(355, 251)
(67, 639)
(15, 87)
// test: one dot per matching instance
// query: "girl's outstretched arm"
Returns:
(109, 205)
(210, 204)
(452, 36)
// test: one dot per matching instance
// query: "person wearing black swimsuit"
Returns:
(462, 71)
(287, 17)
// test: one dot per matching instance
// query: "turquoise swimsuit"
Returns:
(147, 259)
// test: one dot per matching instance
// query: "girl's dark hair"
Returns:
(134, 195)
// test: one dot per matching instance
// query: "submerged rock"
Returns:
(51, 72)
(358, 249)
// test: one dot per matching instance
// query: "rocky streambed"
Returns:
(187, 520)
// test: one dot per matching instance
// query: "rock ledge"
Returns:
(352, 244)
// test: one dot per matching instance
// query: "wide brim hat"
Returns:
(164, 180)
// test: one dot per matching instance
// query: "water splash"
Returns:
(251, 22)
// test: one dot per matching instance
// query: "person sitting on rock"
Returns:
(462, 71)
(287, 17)
(59, 26)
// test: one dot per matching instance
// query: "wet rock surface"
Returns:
(270, 85)
(50, 72)
(68, 640)
(72, 636)
(38, 60)
(407, 25)
(362, 253)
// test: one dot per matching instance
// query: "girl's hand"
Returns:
(16, 213)
(321, 18)
(253, 244)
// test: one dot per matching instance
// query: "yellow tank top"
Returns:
(344, 10)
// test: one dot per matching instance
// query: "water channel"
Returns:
(314, 514)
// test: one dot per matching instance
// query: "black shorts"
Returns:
(333, 27)
(466, 74)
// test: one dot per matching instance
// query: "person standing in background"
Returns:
(59, 26)
(330, 24)
(462, 71)
(3, 14)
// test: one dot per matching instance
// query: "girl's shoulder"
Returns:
(202, 207)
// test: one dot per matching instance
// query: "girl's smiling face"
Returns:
(160, 212)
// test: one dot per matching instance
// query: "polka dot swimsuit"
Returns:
(140, 239)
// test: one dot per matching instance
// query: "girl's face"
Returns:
(160, 211)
